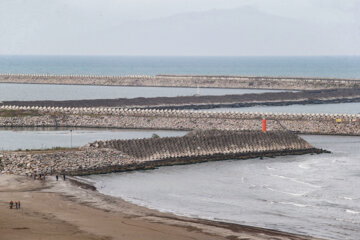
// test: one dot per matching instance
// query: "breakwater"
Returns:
(125, 155)
(203, 102)
(261, 82)
(331, 124)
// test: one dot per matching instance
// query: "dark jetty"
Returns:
(203, 102)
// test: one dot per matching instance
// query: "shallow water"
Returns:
(341, 108)
(29, 92)
(315, 195)
(18, 138)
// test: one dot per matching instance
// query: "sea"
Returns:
(337, 66)
(315, 195)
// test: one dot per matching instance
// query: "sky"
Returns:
(180, 27)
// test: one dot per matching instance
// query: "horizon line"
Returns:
(196, 56)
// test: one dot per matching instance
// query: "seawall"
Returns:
(127, 155)
(330, 124)
(256, 82)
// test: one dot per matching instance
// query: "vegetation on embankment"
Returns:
(18, 113)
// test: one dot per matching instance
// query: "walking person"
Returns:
(64, 177)
(16, 205)
(11, 204)
(19, 204)
(57, 178)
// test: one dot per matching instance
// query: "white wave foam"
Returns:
(295, 204)
(352, 211)
(288, 193)
(270, 168)
(303, 166)
(296, 181)
(348, 198)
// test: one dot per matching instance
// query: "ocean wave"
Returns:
(347, 221)
(352, 211)
(303, 166)
(288, 193)
(294, 204)
(347, 198)
(296, 181)
(270, 168)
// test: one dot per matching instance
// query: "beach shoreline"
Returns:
(72, 209)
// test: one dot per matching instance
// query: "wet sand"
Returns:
(64, 210)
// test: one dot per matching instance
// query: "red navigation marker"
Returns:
(264, 125)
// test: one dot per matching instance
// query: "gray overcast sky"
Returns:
(180, 27)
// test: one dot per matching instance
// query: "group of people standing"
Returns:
(57, 177)
(37, 176)
(42, 176)
(17, 204)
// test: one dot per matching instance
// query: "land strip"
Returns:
(260, 82)
(204, 102)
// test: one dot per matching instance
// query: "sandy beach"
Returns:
(66, 210)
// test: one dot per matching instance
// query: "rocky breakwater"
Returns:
(125, 155)
(203, 102)
(263, 82)
(332, 124)
(60, 161)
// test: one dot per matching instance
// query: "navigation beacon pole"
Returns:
(70, 138)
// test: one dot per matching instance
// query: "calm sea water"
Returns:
(38, 138)
(346, 67)
(315, 195)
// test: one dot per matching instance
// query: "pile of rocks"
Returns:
(335, 124)
(57, 162)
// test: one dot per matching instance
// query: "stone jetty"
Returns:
(331, 124)
(204, 102)
(257, 82)
(125, 155)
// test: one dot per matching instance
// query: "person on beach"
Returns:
(64, 177)
(11, 204)
(19, 204)
(16, 205)
(57, 178)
